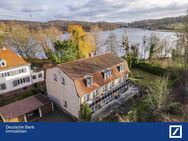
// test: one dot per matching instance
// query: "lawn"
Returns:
(168, 63)
(141, 77)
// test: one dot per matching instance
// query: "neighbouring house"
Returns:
(16, 73)
(27, 109)
(95, 80)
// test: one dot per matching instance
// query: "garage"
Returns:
(27, 109)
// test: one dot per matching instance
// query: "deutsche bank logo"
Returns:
(175, 131)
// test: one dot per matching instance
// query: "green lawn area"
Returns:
(168, 64)
(141, 77)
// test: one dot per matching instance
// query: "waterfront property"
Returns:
(16, 73)
(96, 81)
(26, 109)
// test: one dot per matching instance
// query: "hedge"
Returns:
(151, 69)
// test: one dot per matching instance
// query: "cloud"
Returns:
(91, 10)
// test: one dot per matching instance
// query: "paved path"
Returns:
(56, 116)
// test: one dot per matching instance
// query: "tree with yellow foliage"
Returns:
(3, 32)
(84, 41)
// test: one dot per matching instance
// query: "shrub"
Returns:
(85, 112)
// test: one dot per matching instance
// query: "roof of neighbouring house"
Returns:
(11, 58)
(23, 106)
(93, 66)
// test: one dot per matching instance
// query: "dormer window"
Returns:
(121, 68)
(2, 63)
(107, 73)
(88, 80)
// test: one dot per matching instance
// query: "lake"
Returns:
(135, 36)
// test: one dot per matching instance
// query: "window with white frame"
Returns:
(87, 97)
(105, 88)
(21, 81)
(40, 75)
(112, 84)
(119, 81)
(34, 77)
(88, 80)
(65, 103)
(125, 77)
(107, 73)
(63, 80)
(3, 86)
(13, 72)
(95, 93)
(121, 68)
(2, 63)
(55, 77)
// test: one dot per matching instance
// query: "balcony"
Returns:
(104, 98)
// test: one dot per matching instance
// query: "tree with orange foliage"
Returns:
(84, 41)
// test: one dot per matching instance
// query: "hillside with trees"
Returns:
(170, 23)
(63, 25)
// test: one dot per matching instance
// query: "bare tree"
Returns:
(164, 49)
(153, 45)
(99, 43)
(144, 47)
(112, 43)
(135, 50)
(21, 40)
(47, 37)
(182, 44)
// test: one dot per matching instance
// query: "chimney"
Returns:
(91, 54)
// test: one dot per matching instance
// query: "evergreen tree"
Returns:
(125, 42)
(63, 51)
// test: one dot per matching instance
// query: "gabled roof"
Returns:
(11, 58)
(23, 106)
(93, 66)
(88, 66)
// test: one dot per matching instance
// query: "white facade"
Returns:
(105, 93)
(62, 91)
(17, 78)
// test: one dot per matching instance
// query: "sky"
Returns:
(91, 10)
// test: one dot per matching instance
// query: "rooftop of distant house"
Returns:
(9, 59)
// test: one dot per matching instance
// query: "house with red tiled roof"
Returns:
(96, 81)
(15, 72)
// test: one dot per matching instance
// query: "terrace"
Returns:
(118, 94)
